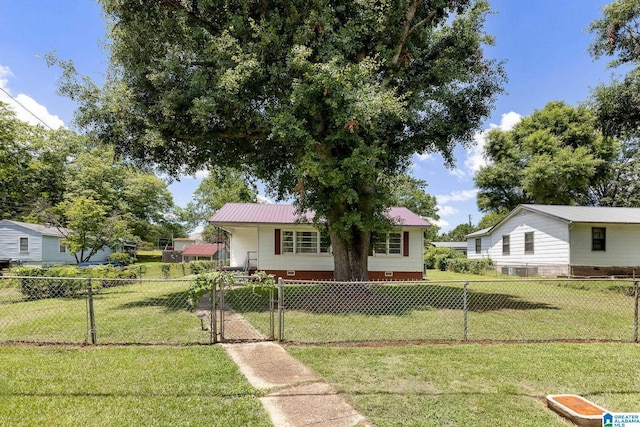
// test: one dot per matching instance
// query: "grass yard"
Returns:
(116, 386)
(477, 385)
(142, 312)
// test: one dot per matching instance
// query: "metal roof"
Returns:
(203, 249)
(584, 214)
(45, 230)
(252, 213)
(589, 214)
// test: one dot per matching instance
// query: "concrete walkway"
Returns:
(297, 397)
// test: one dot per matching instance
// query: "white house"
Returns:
(35, 244)
(272, 238)
(546, 240)
(182, 243)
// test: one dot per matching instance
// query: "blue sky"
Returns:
(543, 42)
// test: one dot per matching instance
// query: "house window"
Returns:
(598, 238)
(506, 245)
(528, 242)
(24, 244)
(388, 244)
(478, 245)
(63, 248)
(304, 242)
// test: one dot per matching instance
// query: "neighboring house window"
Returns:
(506, 245)
(304, 242)
(388, 244)
(478, 245)
(528, 242)
(598, 238)
(24, 244)
(63, 248)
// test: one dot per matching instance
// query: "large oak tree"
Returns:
(325, 101)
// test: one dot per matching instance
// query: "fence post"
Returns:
(214, 314)
(465, 306)
(92, 317)
(271, 315)
(635, 317)
(280, 309)
(221, 305)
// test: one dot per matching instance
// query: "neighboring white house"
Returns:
(272, 238)
(548, 240)
(35, 244)
(181, 243)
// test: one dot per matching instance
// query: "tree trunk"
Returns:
(351, 256)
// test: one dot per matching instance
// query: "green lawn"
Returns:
(142, 312)
(113, 386)
(477, 385)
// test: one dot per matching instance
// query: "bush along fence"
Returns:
(215, 307)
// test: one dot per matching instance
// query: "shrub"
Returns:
(56, 282)
(199, 267)
(121, 257)
(438, 258)
(470, 266)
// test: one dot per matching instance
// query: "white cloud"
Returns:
(444, 211)
(265, 200)
(201, 174)
(475, 155)
(26, 108)
(457, 196)
(508, 121)
(424, 156)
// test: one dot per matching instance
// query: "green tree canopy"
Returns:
(554, 156)
(32, 164)
(324, 101)
(617, 35)
(222, 185)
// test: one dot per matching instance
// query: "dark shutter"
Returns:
(278, 247)
(405, 243)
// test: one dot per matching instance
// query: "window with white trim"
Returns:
(63, 248)
(387, 244)
(305, 242)
(478, 245)
(528, 243)
(24, 244)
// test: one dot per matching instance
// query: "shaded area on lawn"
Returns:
(383, 299)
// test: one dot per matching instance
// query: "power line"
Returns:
(25, 108)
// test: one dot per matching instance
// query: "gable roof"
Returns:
(44, 230)
(253, 213)
(203, 249)
(569, 214)
(588, 213)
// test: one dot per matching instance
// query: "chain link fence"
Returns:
(127, 311)
(154, 311)
(500, 310)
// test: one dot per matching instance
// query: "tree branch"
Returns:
(408, 29)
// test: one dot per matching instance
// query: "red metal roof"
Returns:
(252, 213)
(203, 249)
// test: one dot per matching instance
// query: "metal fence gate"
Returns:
(242, 312)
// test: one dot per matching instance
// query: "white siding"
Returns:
(551, 241)
(243, 240)
(413, 262)
(484, 247)
(622, 245)
(262, 239)
(51, 252)
(268, 260)
(10, 244)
